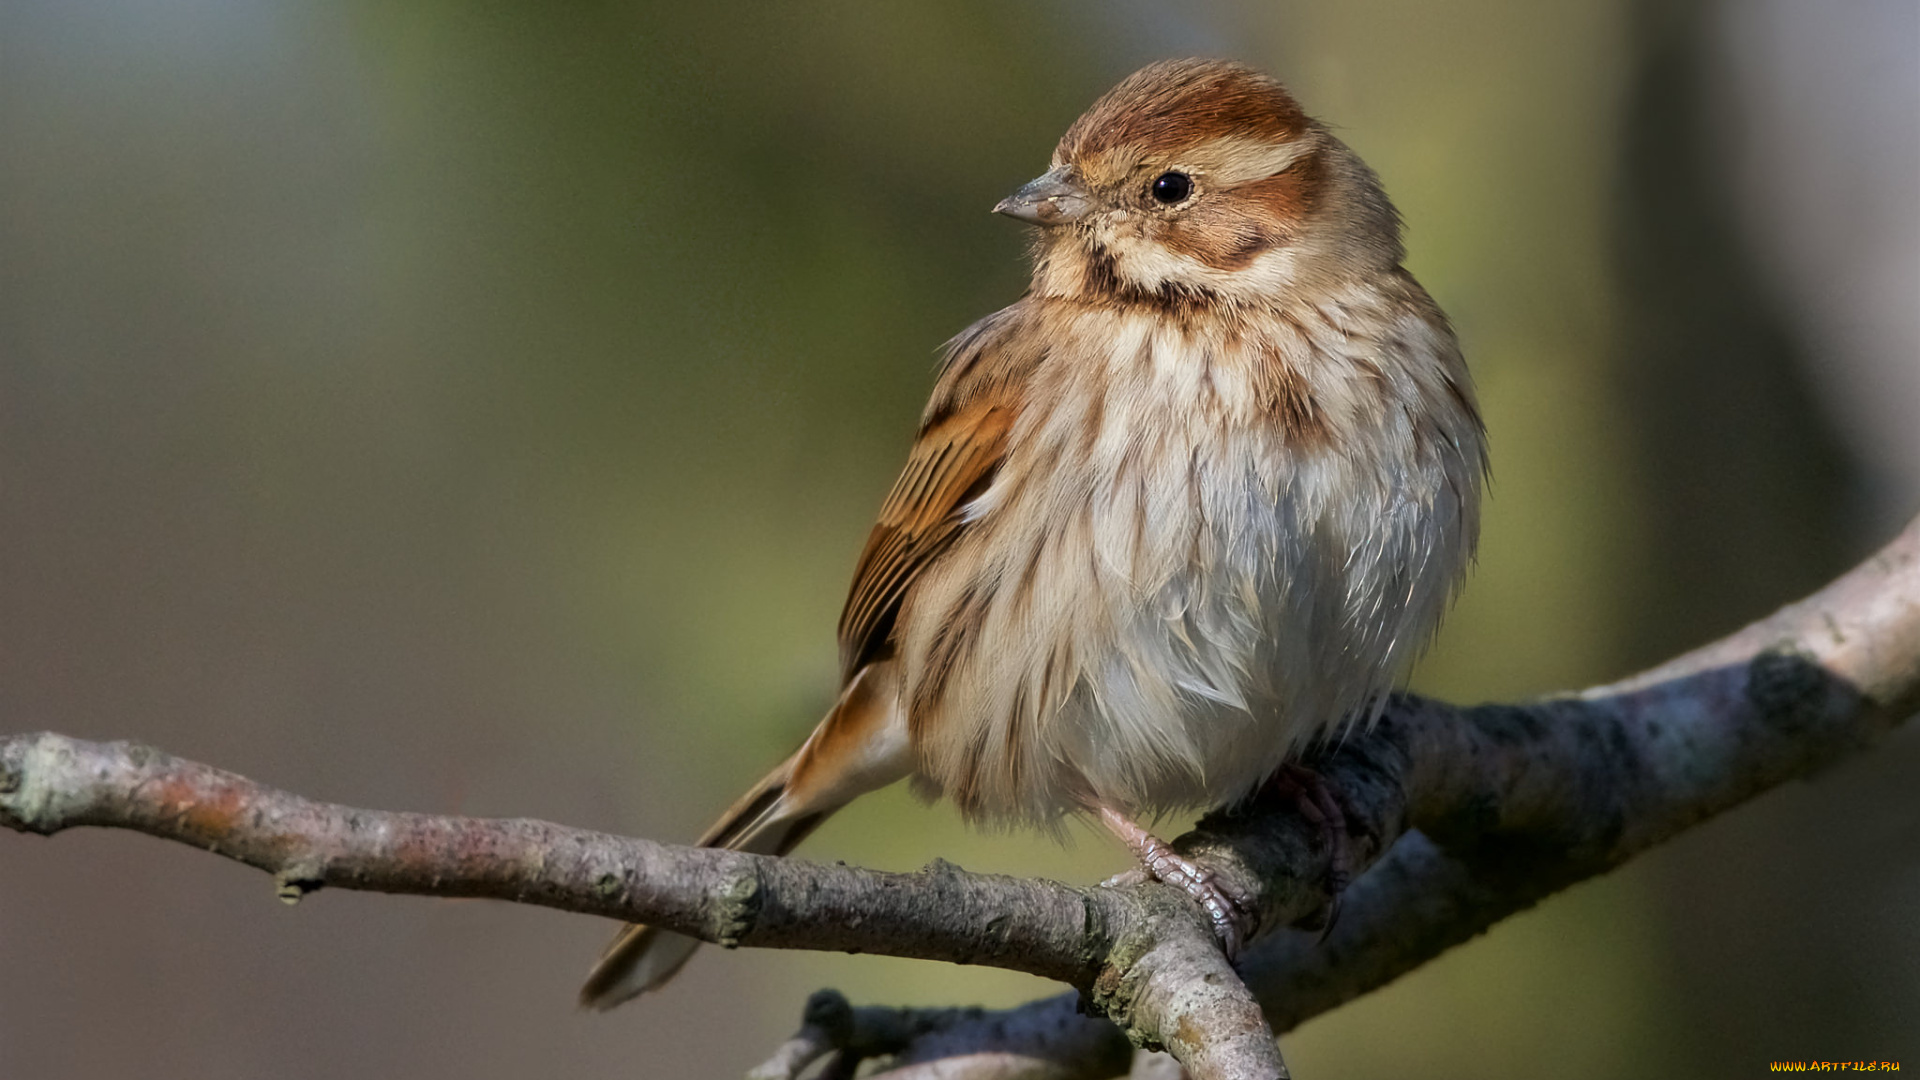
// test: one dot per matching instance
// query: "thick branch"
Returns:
(50, 782)
(1522, 800)
(1527, 800)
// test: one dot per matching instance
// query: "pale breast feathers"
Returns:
(1168, 577)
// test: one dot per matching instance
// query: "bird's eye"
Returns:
(1172, 187)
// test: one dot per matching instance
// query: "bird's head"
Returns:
(1202, 180)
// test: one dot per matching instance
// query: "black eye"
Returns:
(1172, 187)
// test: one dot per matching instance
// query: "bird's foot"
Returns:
(1321, 806)
(1231, 914)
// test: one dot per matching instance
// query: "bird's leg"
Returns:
(1318, 803)
(1230, 914)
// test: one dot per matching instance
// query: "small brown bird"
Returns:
(1194, 501)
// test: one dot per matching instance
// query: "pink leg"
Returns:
(1228, 913)
(1318, 804)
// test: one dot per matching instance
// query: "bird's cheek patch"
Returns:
(1221, 242)
(1287, 198)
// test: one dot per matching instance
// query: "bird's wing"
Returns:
(953, 461)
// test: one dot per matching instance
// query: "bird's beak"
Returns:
(1053, 198)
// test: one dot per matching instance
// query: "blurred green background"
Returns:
(477, 408)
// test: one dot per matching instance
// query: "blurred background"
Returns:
(478, 408)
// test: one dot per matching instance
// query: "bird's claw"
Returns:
(1230, 913)
(1321, 807)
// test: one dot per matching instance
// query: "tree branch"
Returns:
(1506, 805)
(1512, 802)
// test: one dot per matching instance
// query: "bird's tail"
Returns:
(642, 957)
(859, 747)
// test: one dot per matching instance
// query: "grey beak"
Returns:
(1053, 198)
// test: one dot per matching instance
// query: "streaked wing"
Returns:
(953, 460)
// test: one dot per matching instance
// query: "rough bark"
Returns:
(1471, 814)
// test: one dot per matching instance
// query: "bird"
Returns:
(1192, 504)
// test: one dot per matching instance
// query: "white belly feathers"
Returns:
(1145, 640)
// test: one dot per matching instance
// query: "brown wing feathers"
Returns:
(953, 461)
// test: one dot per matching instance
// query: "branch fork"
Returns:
(1459, 817)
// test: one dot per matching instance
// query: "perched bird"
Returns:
(1196, 500)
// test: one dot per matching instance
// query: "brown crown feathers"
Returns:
(1264, 176)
